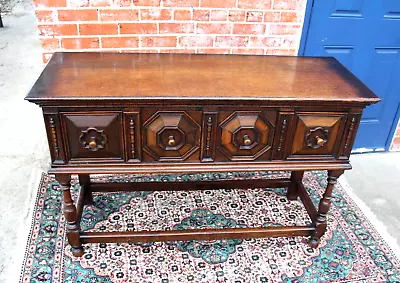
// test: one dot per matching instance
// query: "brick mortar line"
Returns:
(162, 35)
(167, 22)
(166, 48)
(155, 8)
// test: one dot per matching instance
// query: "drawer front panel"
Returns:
(171, 135)
(317, 135)
(245, 135)
(94, 135)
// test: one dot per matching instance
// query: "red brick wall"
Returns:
(194, 26)
(259, 27)
(396, 140)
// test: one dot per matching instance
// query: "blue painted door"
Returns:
(364, 35)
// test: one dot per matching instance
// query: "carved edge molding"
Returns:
(209, 128)
(54, 137)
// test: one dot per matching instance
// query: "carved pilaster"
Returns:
(209, 129)
(54, 137)
(350, 133)
(281, 134)
(209, 126)
(132, 136)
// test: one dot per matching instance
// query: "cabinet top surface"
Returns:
(113, 76)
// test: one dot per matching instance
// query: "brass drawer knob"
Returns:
(171, 141)
(92, 143)
(320, 141)
(246, 140)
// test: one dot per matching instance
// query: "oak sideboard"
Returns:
(109, 113)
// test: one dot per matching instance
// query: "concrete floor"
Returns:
(24, 154)
(23, 147)
(375, 180)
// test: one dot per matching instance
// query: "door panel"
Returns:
(346, 8)
(365, 37)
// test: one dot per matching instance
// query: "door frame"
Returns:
(306, 27)
(302, 50)
(393, 129)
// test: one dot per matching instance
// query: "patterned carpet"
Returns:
(351, 250)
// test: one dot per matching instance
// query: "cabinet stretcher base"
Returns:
(296, 189)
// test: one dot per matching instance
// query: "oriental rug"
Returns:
(351, 250)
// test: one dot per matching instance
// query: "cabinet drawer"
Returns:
(317, 135)
(245, 135)
(171, 135)
(95, 136)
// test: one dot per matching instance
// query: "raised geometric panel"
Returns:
(316, 134)
(89, 135)
(385, 65)
(245, 136)
(347, 8)
(171, 136)
(391, 9)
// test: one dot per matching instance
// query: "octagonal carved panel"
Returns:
(171, 136)
(245, 136)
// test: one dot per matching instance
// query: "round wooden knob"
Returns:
(92, 144)
(171, 141)
(320, 141)
(247, 140)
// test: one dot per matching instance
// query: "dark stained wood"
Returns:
(295, 178)
(198, 185)
(80, 202)
(70, 214)
(171, 135)
(108, 113)
(305, 198)
(319, 222)
(195, 234)
(84, 181)
(98, 167)
(98, 76)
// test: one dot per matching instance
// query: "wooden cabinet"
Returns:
(197, 114)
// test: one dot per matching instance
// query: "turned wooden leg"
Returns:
(323, 208)
(69, 211)
(84, 181)
(295, 177)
